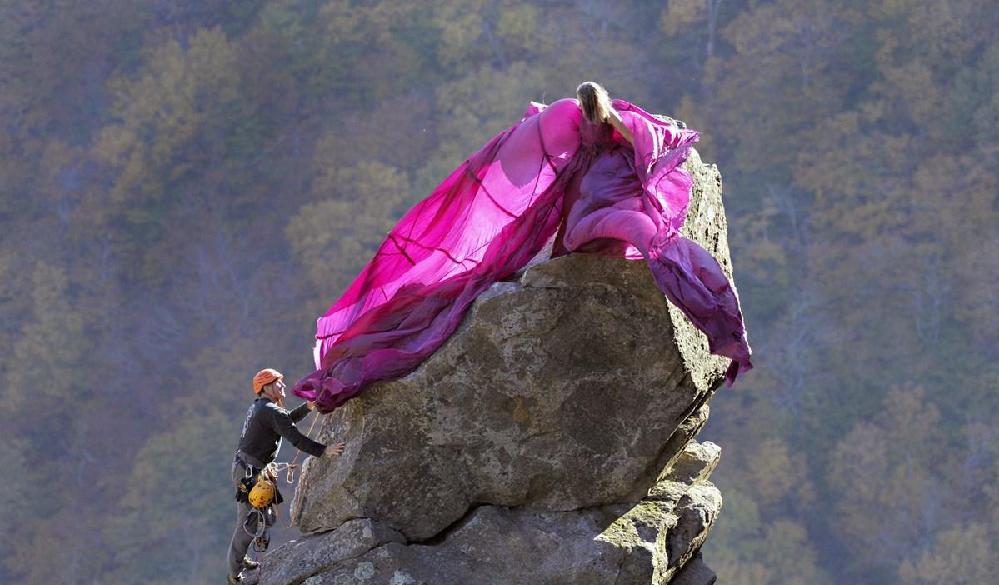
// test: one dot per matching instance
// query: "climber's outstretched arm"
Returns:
(615, 120)
(283, 425)
(301, 412)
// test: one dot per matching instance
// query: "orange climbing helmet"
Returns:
(265, 377)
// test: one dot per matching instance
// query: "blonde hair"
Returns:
(594, 101)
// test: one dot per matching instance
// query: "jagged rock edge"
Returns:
(442, 536)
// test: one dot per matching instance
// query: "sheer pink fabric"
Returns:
(494, 213)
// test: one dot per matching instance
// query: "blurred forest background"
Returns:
(186, 184)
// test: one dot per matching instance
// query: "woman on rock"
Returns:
(601, 176)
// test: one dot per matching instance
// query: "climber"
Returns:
(267, 422)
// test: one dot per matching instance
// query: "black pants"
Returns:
(241, 535)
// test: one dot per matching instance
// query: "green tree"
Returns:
(161, 114)
(173, 522)
(963, 555)
(335, 238)
(745, 549)
(894, 478)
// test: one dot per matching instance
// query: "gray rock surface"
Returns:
(550, 440)
(695, 462)
(695, 573)
(616, 544)
(300, 559)
(558, 393)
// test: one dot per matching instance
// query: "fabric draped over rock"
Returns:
(495, 212)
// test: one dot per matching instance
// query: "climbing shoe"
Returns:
(233, 580)
(250, 564)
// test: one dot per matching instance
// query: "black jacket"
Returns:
(267, 423)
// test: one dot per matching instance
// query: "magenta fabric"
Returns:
(495, 212)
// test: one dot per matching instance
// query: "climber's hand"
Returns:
(334, 450)
(312, 404)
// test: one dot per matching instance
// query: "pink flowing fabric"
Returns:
(495, 212)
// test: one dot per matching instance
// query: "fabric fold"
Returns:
(492, 215)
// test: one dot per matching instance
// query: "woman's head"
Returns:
(594, 101)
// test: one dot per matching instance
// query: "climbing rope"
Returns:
(259, 534)
(289, 468)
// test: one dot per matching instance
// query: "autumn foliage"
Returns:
(187, 184)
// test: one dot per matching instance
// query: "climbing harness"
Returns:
(259, 490)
